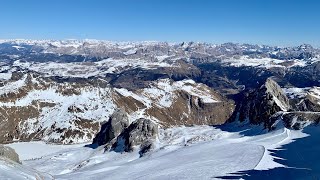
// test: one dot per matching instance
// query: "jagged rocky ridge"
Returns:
(260, 104)
(270, 104)
(65, 91)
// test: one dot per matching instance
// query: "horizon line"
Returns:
(3, 40)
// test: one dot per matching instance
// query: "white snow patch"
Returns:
(130, 51)
(13, 86)
(5, 76)
(18, 47)
(198, 152)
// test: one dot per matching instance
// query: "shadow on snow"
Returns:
(302, 158)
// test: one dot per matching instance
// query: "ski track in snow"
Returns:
(181, 153)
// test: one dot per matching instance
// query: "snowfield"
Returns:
(198, 152)
(90, 69)
(11, 170)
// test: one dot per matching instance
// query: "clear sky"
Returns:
(274, 22)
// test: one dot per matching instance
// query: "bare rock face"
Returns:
(298, 119)
(191, 110)
(9, 153)
(142, 131)
(310, 103)
(146, 148)
(305, 99)
(111, 129)
(261, 104)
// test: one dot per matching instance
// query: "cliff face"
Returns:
(304, 99)
(117, 122)
(270, 104)
(298, 119)
(262, 103)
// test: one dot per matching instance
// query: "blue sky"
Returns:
(274, 22)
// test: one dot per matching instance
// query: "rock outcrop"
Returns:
(119, 136)
(298, 119)
(261, 104)
(140, 132)
(111, 129)
(305, 99)
(9, 153)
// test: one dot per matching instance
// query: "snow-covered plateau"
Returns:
(199, 152)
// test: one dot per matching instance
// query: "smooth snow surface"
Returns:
(199, 152)
(38, 149)
(13, 171)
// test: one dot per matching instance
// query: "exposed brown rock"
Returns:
(11, 118)
(22, 122)
(190, 110)
(129, 104)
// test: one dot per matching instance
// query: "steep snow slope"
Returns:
(182, 153)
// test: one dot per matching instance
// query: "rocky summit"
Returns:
(262, 103)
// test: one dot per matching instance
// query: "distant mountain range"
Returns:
(140, 105)
(190, 50)
(82, 82)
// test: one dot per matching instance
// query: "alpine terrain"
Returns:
(93, 109)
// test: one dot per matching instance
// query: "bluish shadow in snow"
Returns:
(244, 129)
(302, 156)
(92, 146)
